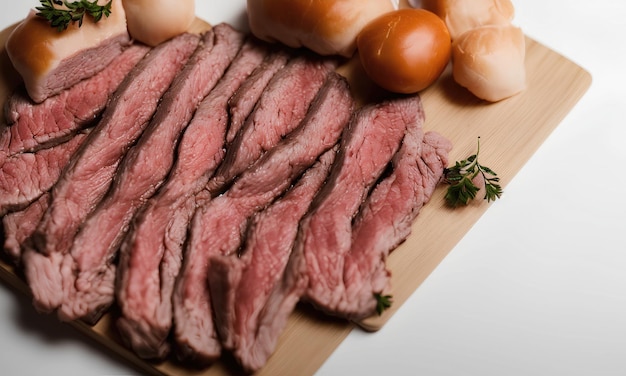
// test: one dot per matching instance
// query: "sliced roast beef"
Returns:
(240, 286)
(19, 226)
(151, 253)
(281, 107)
(218, 227)
(386, 217)
(140, 173)
(49, 63)
(25, 177)
(92, 168)
(80, 66)
(224, 223)
(324, 238)
(34, 126)
(245, 98)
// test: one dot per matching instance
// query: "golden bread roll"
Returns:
(464, 15)
(328, 27)
(489, 61)
(404, 51)
(50, 61)
(155, 21)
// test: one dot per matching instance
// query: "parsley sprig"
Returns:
(383, 302)
(462, 188)
(60, 18)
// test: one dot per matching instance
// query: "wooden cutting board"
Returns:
(510, 131)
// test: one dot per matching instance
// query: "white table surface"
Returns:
(537, 287)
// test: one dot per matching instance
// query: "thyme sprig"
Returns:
(461, 179)
(60, 18)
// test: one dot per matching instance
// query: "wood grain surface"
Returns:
(510, 131)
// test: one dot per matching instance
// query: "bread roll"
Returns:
(464, 15)
(155, 21)
(50, 61)
(328, 27)
(489, 61)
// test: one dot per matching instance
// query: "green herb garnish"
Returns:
(383, 302)
(60, 18)
(462, 188)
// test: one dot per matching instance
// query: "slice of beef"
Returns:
(25, 177)
(140, 174)
(386, 217)
(34, 126)
(280, 109)
(224, 223)
(151, 253)
(245, 98)
(324, 238)
(240, 286)
(92, 168)
(60, 62)
(19, 226)
(218, 227)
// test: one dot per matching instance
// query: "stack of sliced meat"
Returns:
(205, 187)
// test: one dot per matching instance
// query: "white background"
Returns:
(537, 287)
